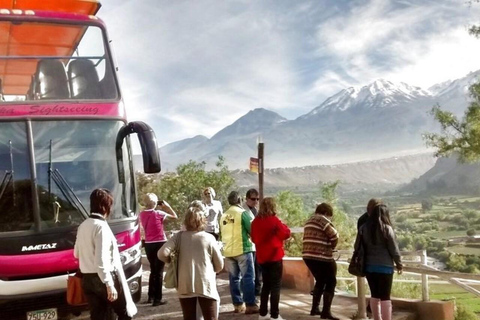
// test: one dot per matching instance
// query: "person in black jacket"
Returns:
(372, 203)
(361, 221)
(381, 254)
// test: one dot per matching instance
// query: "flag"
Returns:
(254, 165)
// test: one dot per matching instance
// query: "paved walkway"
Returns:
(293, 306)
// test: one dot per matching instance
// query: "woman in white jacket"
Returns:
(104, 282)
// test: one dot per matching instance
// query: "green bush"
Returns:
(180, 188)
(406, 290)
(293, 246)
(464, 313)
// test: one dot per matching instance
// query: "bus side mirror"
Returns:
(148, 143)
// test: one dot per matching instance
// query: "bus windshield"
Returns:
(71, 158)
(54, 61)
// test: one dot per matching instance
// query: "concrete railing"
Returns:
(297, 275)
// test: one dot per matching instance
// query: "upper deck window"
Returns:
(54, 62)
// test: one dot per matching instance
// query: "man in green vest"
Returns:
(238, 251)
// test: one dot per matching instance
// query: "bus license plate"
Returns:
(47, 314)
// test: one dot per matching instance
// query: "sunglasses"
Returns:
(254, 199)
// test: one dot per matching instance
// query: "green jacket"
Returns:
(235, 229)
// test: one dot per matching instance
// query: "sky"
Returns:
(191, 68)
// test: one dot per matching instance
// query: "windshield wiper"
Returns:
(67, 191)
(64, 187)
(8, 176)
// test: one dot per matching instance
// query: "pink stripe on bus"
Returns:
(128, 239)
(37, 264)
(63, 109)
(55, 262)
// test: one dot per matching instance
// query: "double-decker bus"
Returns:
(63, 133)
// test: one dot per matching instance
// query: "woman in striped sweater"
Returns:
(319, 240)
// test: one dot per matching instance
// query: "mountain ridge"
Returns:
(379, 120)
(447, 176)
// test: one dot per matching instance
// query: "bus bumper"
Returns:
(15, 306)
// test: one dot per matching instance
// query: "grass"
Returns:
(464, 250)
(462, 297)
(447, 234)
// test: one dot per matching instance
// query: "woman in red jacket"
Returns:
(268, 234)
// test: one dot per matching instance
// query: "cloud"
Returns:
(401, 41)
(193, 67)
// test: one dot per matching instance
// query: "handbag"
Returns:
(171, 276)
(75, 295)
(357, 262)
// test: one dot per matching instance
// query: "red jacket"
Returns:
(268, 234)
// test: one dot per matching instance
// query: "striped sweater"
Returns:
(319, 238)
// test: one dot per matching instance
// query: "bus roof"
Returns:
(88, 7)
(16, 40)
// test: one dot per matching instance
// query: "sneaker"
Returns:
(279, 318)
(239, 308)
(252, 309)
(265, 317)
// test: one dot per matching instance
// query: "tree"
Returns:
(475, 29)
(328, 191)
(405, 242)
(420, 243)
(440, 216)
(344, 224)
(427, 205)
(470, 214)
(458, 136)
(179, 189)
(471, 232)
(291, 209)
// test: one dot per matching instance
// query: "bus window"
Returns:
(87, 71)
(72, 159)
(16, 207)
(88, 77)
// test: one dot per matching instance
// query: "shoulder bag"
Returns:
(75, 295)
(357, 262)
(171, 276)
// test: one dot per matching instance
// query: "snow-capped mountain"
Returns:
(439, 87)
(379, 120)
(455, 96)
(379, 94)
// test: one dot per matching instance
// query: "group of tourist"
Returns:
(252, 238)
(382, 256)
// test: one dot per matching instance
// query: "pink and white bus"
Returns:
(63, 133)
